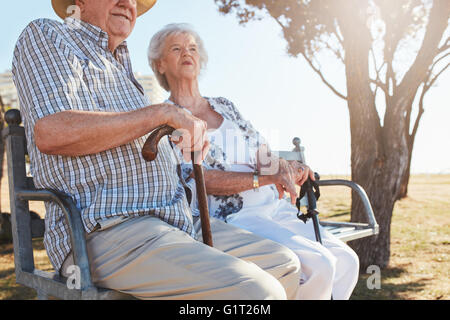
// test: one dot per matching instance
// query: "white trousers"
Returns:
(331, 268)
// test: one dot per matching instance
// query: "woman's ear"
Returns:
(160, 66)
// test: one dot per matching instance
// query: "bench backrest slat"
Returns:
(20, 214)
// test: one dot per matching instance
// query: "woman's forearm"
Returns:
(77, 133)
(222, 183)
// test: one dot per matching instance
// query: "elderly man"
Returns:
(85, 117)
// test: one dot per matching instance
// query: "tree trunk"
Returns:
(2, 144)
(381, 178)
(403, 193)
(404, 185)
(378, 154)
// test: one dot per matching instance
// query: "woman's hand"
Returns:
(302, 172)
(285, 180)
(278, 171)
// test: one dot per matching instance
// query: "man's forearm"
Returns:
(77, 133)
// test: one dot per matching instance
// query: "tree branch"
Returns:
(419, 116)
(426, 87)
(390, 76)
(430, 83)
(337, 33)
(437, 60)
(378, 83)
(445, 46)
(280, 24)
(336, 52)
(340, 95)
(377, 70)
(428, 51)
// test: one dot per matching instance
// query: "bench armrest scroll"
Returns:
(76, 229)
(361, 194)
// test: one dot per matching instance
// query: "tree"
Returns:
(2, 144)
(393, 51)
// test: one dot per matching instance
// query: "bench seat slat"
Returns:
(331, 228)
(355, 234)
(342, 230)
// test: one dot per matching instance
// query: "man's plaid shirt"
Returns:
(68, 66)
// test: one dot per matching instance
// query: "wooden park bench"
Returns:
(24, 229)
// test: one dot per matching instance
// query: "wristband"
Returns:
(255, 181)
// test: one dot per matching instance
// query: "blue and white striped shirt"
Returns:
(68, 66)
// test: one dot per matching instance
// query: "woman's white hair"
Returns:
(156, 47)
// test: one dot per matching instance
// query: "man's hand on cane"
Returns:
(190, 134)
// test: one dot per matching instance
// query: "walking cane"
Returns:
(312, 196)
(150, 151)
(312, 191)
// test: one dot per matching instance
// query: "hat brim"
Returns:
(61, 7)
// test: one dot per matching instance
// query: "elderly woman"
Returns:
(238, 192)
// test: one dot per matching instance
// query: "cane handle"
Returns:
(150, 148)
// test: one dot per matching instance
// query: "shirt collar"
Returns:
(91, 32)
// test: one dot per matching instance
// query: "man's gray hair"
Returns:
(156, 47)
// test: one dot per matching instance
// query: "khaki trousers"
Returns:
(150, 259)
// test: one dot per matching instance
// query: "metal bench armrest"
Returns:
(361, 194)
(76, 229)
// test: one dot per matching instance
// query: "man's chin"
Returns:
(121, 32)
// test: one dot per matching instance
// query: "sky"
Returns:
(280, 95)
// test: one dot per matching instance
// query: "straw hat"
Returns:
(60, 6)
